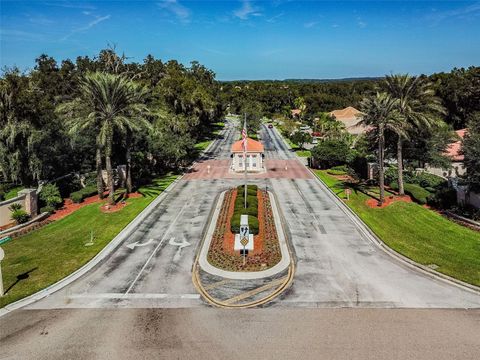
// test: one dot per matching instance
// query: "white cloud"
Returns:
(275, 18)
(173, 6)
(361, 24)
(97, 20)
(247, 10)
(311, 24)
(471, 10)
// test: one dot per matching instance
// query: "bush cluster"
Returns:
(78, 196)
(251, 210)
(50, 196)
(19, 215)
(338, 170)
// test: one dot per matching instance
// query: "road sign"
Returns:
(244, 242)
(244, 231)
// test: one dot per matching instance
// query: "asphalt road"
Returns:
(118, 309)
(241, 334)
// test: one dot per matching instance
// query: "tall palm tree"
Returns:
(418, 108)
(380, 112)
(110, 104)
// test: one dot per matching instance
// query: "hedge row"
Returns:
(416, 192)
(78, 196)
(251, 210)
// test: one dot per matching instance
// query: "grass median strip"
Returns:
(45, 256)
(419, 233)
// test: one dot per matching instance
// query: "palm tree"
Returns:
(110, 104)
(417, 106)
(380, 112)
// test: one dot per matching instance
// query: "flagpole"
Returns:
(245, 155)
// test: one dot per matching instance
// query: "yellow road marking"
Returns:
(255, 291)
(217, 284)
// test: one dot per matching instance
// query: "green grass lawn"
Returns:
(418, 233)
(202, 145)
(13, 192)
(303, 153)
(42, 257)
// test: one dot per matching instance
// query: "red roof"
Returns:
(252, 146)
(453, 150)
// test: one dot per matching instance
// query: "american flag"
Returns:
(244, 138)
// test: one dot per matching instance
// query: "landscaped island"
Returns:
(266, 253)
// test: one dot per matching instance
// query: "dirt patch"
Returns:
(373, 203)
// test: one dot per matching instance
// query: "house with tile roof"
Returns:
(351, 118)
(454, 152)
(254, 156)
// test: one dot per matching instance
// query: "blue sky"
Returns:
(252, 39)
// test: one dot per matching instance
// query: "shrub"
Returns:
(417, 193)
(443, 198)
(50, 195)
(251, 190)
(47, 209)
(78, 196)
(338, 170)
(252, 223)
(330, 153)
(20, 216)
(15, 207)
(427, 180)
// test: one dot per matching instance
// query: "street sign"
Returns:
(244, 242)
(244, 231)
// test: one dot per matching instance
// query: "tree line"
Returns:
(94, 113)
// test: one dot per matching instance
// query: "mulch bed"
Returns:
(69, 206)
(373, 203)
(266, 251)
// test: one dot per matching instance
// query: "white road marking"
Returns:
(137, 244)
(157, 247)
(134, 296)
(180, 245)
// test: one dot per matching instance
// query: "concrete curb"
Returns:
(250, 275)
(370, 235)
(103, 254)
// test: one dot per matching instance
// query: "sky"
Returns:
(276, 39)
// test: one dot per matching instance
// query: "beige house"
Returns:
(351, 118)
(254, 156)
(454, 152)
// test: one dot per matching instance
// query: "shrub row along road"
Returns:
(336, 267)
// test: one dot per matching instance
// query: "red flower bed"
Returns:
(266, 251)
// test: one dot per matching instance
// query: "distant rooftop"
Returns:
(454, 149)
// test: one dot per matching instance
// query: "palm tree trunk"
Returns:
(401, 190)
(128, 169)
(100, 188)
(108, 164)
(381, 173)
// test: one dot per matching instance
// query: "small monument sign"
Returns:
(244, 240)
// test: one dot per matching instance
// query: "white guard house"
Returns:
(255, 154)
